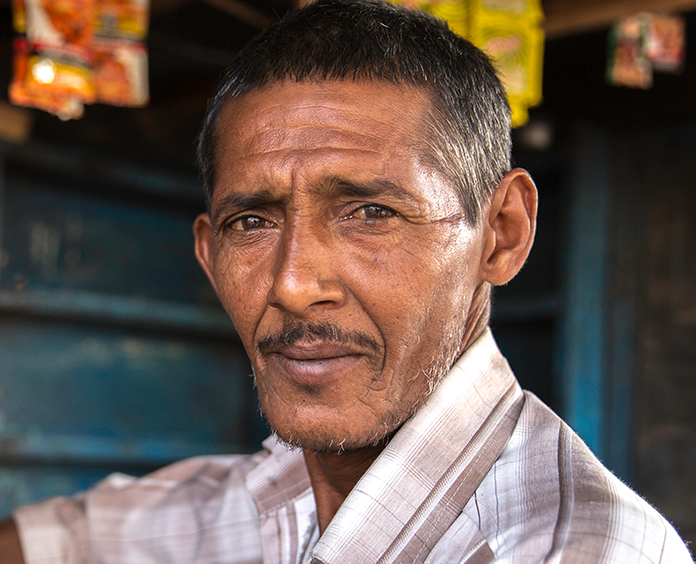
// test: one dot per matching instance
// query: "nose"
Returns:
(306, 278)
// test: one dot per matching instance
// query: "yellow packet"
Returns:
(122, 19)
(454, 12)
(19, 17)
(509, 31)
(51, 73)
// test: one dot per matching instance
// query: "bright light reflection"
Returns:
(44, 71)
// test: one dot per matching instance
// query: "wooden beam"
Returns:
(570, 17)
(242, 12)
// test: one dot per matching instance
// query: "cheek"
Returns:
(416, 273)
(398, 292)
(242, 288)
(419, 294)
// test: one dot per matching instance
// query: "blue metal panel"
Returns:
(583, 332)
(59, 239)
(114, 353)
(25, 484)
(71, 392)
(626, 230)
(118, 310)
(4, 258)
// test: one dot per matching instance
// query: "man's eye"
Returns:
(373, 212)
(249, 223)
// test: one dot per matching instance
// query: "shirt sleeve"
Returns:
(53, 531)
(124, 520)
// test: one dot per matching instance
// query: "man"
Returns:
(360, 206)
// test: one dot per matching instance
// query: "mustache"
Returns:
(310, 332)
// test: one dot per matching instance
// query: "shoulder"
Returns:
(548, 497)
(205, 473)
(184, 486)
(171, 510)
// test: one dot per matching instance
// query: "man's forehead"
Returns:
(373, 117)
(354, 131)
(322, 102)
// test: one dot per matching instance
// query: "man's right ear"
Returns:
(203, 233)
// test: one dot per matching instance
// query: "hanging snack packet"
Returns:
(120, 55)
(120, 73)
(60, 73)
(454, 12)
(19, 17)
(79, 52)
(509, 31)
(665, 41)
(122, 19)
(59, 62)
(627, 65)
(40, 82)
(60, 22)
(52, 62)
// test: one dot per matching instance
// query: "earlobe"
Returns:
(509, 228)
(203, 233)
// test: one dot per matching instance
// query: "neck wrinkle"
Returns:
(479, 315)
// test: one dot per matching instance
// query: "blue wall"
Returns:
(114, 354)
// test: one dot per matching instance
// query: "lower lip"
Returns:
(315, 372)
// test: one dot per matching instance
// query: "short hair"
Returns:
(467, 135)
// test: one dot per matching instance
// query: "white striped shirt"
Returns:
(482, 473)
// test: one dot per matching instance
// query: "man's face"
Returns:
(344, 262)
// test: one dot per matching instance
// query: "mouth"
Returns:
(315, 363)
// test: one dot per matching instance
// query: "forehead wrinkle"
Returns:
(290, 152)
(329, 117)
(310, 136)
(326, 111)
(337, 118)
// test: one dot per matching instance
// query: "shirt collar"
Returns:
(280, 478)
(420, 482)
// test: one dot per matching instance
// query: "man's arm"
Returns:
(10, 547)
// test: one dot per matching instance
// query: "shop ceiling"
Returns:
(569, 17)
(563, 17)
(191, 41)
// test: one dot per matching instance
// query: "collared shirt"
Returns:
(482, 473)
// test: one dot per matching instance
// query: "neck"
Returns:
(479, 315)
(333, 476)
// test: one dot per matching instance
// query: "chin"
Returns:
(331, 445)
(330, 440)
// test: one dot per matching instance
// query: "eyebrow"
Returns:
(337, 186)
(235, 202)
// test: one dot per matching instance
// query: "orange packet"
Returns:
(120, 73)
(30, 70)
